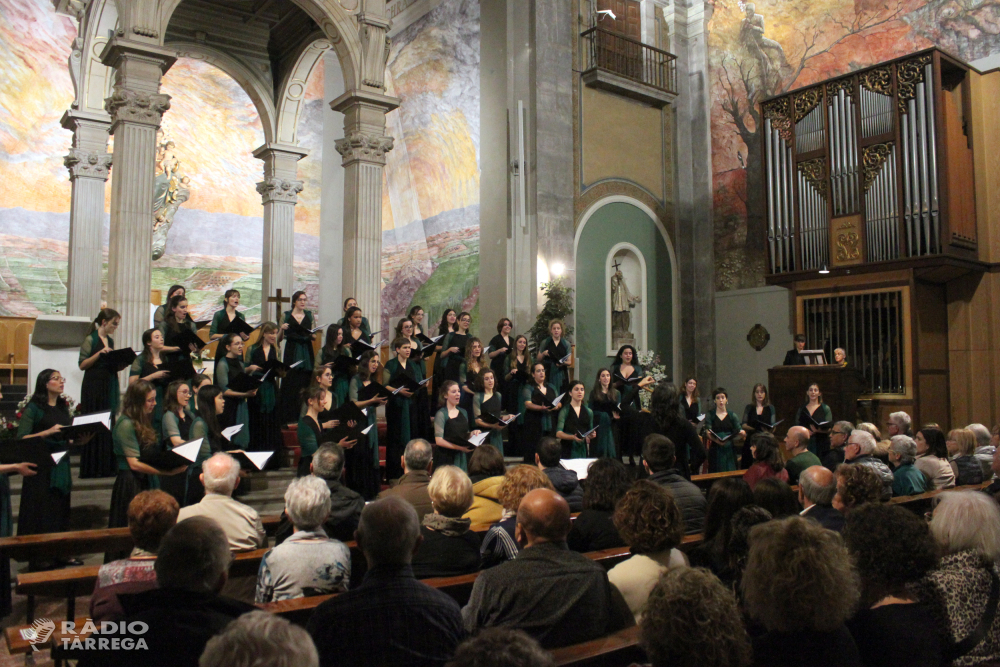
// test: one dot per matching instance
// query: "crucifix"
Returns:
(277, 300)
(616, 265)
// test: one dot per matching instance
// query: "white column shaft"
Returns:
(363, 237)
(86, 257)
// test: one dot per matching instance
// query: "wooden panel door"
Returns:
(621, 56)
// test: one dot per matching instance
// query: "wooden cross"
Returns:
(277, 300)
(616, 264)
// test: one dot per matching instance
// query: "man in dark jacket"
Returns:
(794, 356)
(345, 504)
(659, 458)
(817, 487)
(566, 482)
(412, 486)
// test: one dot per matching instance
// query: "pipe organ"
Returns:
(859, 169)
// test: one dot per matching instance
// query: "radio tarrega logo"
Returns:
(39, 632)
(103, 636)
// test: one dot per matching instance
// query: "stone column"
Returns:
(280, 192)
(88, 163)
(136, 107)
(363, 149)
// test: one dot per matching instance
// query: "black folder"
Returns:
(404, 381)
(347, 412)
(764, 426)
(79, 430)
(240, 326)
(185, 338)
(245, 382)
(299, 330)
(120, 359)
(338, 433)
(372, 390)
(633, 380)
(179, 369)
(427, 341)
(821, 425)
(32, 450)
(248, 463)
(521, 376)
(169, 459)
(460, 341)
(584, 435)
(720, 440)
(538, 398)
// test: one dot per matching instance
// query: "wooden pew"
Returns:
(615, 650)
(923, 502)
(707, 480)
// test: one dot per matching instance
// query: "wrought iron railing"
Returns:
(631, 59)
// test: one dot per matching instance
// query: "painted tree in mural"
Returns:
(761, 69)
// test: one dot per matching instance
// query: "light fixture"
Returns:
(601, 14)
(824, 270)
(558, 269)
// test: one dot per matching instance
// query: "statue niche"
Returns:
(623, 300)
(170, 190)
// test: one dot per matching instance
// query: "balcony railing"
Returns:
(631, 59)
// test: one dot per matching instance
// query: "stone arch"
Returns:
(256, 89)
(95, 78)
(291, 91)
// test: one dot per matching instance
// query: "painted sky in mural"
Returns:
(806, 42)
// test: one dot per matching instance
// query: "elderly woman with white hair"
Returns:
(449, 548)
(307, 563)
(964, 591)
(907, 479)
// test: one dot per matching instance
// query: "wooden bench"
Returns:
(923, 502)
(707, 480)
(615, 650)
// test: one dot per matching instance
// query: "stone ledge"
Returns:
(596, 77)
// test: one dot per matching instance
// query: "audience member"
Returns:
(899, 424)
(150, 515)
(220, 475)
(659, 457)
(817, 487)
(309, 562)
(692, 620)
(892, 548)
(859, 451)
(907, 480)
(669, 422)
(961, 444)
(499, 543)
(725, 498)
(870, 429)
(796, 442)
(486, 470)
(556, 595)
(650, 523)
(767, 460)
(501, 647)
(391, 618)
(800, 586)
(412, 486)
(449, 548)
(345, 504)
(994, 488)
(856, 485)
(565, 481)
(984, 448)
(259, 638)
(777, 497)
(738, 549)
(839, 434)
(594, 529)
(932, 458)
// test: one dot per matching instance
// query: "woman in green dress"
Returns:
(537, 419)
(363, 473)
(454, 347)
(468, 375)
(175, 431)
(174, 326)
(298, 348)
(451, 425)
(365, 328)
(265, 429)
(517, 367)
(551, 353)
(211, 404)
(147, 367)
(723, 456)
(99, 392)
(490, 401)
(407, 328)
(334, 348)
(236, 411)
(575, 418)
(401, 410)
(811, 415)
(224, 318)
(160, 313)
(309, 428)
(604, 399)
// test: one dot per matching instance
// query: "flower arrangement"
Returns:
(653, 365)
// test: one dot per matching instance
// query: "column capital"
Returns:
(84, 163)
(279, 190)
(357, 147)
(136, 107)
(365, 98)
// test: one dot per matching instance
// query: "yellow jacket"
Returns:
(486, 509)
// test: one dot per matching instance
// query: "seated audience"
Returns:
(692, 620)
(412, 486)
(932, 458)
(767, 460)
(856, 485)
(994, 488)
(260, 638)
(501, 647)
(899, 424)
(839, 434)
(448, 548)
(725, 498)
(800, 458)
(777, 497)
(984, 448)
(860, 450)
(907, 480)
(345, 504)
(659, 459)
(817, 487)
(307, 563)
(800, 587)
(486, 470)
(499, 543)
(607, 481)
(150, 515)
(961, 444)
(391, 618)
(966, 528)
(557, 596)
(650, 522)
(739, 543)
(186, 610)
(566, 483)
(220, 475)
(892, 548)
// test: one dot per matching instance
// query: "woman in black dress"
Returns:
(500, 345)
(451, 425)
(758, 411)
(99, 392)
(454, 347)
(147, 367)
(624, 373)
(516, 368)
(176, 323)
(690, 403)
(604, 399)
(537, 417)
(362, 460)
(574, 419)
(265, 427)
(416, 315)
(448, 324)
(298, 348)
(407, 328)
(470, 372)
(160, 313)
(177, 420)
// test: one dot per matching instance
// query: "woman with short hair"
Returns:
(961, 444)
(724, 425)
(856, 486)
(449, 548)
(767, 461)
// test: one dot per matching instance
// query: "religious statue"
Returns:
(170, 190)
(622, 301)
(768, 53)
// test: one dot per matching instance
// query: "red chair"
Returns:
(290, 437)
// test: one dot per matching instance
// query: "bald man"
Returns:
(557, 596)
(800, 457)
(817, 487)
(220, 475)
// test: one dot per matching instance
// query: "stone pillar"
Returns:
(280, 192)
(363, 149)
(88, 163)
(136, 107)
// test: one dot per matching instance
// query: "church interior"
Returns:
(699, 181)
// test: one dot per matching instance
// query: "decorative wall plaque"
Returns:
(758, 337)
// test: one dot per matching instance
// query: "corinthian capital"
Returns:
(84, 163)
(136, 107)
(356, 146)
(279, 190)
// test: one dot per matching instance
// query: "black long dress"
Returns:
(44, 506)
(630, 441)
(176, 485)
(537, 423)
(298, 348)
(497, 362)
(99, 392)
(455, 428)
(513, 403)
(265, 427)
(400, 417)
(692, 411)
(424, 427)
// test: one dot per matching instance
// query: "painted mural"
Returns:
(761, 49)
(430, 204)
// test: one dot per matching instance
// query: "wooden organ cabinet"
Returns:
(871, 207)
